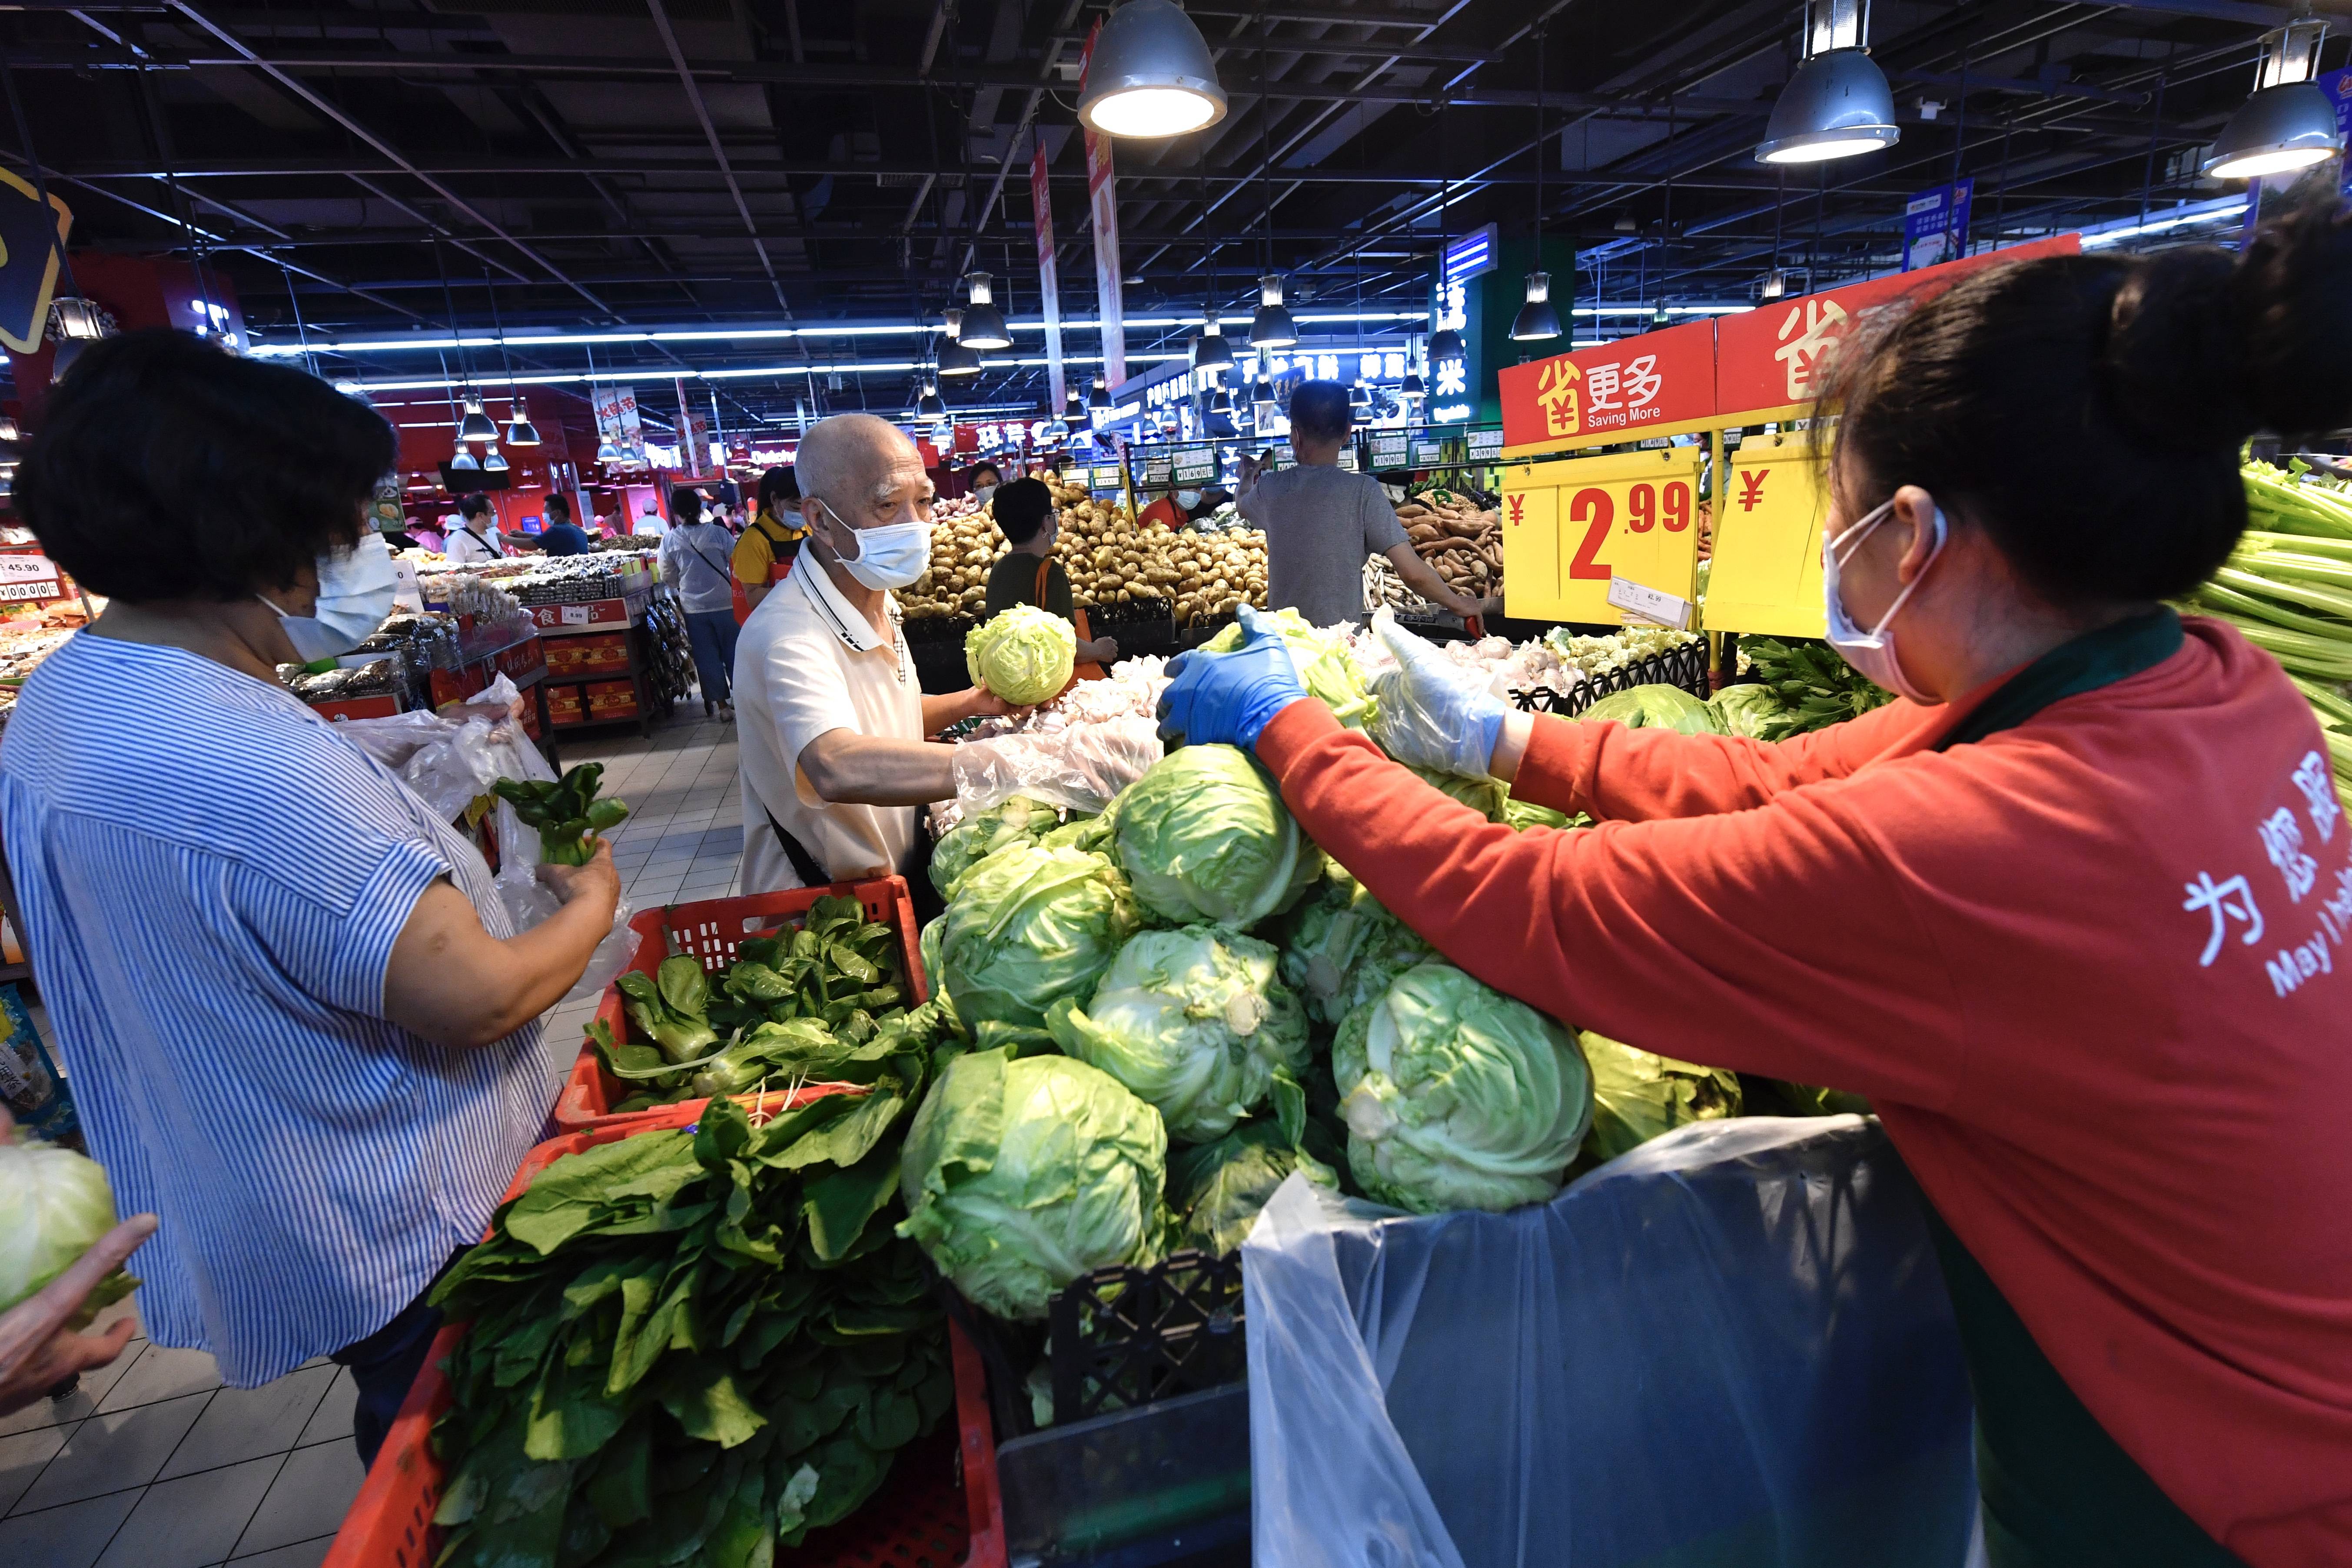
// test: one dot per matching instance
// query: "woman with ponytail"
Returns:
(2075, 912)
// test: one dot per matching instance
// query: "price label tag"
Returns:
(1571, 531)
(1652, 605)
(33, 589)
(1767, 570)
(1110, 477)
(1281, 456)
(1389, 451)
(1486, 446)
(1195, 467)
(16, 568)
(1427, 454)
(1156, 470)
(578, 615)
(406, 593)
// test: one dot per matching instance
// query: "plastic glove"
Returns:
(1432, 714)
(1082, 767)
(1229, 698)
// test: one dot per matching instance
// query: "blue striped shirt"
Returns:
(212, 880)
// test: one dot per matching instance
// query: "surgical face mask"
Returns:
(1871, 652)
(355, 594)
(1188, 499)
(887, 558)
(980, 493)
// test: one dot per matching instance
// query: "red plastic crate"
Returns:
(921, 1518)
(712, 931)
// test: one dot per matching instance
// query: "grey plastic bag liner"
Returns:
(1729, 1347)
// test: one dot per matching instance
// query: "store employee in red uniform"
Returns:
(2076, 915)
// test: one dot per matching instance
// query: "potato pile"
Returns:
(1109, 559)
(1461, 542)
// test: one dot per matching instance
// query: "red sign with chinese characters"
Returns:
(1617, 392)
(1777, 356)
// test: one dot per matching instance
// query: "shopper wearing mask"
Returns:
(299, 1027)
(476, 536)
(764, 555)
(1175, 509)
(834, 759)
(986, 480)
(562, 536)
(1028, 573)
(2045, 911)
(650, 524)
(694, 563)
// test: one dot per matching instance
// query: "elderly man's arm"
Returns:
(846, 768)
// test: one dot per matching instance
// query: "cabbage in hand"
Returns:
(1024, 654)
(1457, 1097)
(55, 1205)
(1195, 1022)
(1029, 925)
(1018, 1176)
(1205, 837)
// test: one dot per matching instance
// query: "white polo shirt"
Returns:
(809, 663)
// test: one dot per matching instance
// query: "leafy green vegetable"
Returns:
(1203, 836)
(1458, 1097)
(55, 1205)
(1524, 814)
(1341, 948)
(1487, 797)
(1747, 709)
(688, 1347)
(1220, 1187)
(1195, 1022)
(1024, 655)
(1020, 1176)
(1327, 666)
(983, 833)
(565, 812)
(1636, 1095)
(1657, 707)
(1814, 687)
(1028, 926)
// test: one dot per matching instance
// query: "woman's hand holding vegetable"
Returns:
(1229, 698)
(1432, 714)
(596, 881)
(40, 1345)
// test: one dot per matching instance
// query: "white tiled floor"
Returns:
(151, 1463)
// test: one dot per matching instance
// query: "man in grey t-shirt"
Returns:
(1321, 522)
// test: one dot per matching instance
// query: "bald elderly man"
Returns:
(830, 718)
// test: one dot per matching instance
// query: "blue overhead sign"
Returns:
(1470, 256)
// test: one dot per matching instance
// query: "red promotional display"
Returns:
(1768, 361)
(1655, 384)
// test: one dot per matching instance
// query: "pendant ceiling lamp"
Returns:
(520, 431)
(493, 461)
(1100, 398)
(475, 425)
(464, 460)
(1360, 398)
(1415, 356)
(1210, 350)
(956, 357)
(1838, 103)
(983, 323)
(1271, 328)
(1445, 344)
(1151, 74)
(1221, 402)
(2290, 122)
(932, 405)
(1536, 320)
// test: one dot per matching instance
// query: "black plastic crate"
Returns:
(1685, 667)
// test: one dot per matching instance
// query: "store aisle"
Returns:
(151, 1463)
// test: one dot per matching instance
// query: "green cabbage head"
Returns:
(983, 833)
(1024, 655)
(1205, 837)
(1326, 668)
(1342, 948)
(1219, 1188)
(1458, 1097)
(1658, 707)
(1746, 709)
(1029, 925)
(1195, 1022)
(1018, 1176)
(53, 1205)
(1636, 1096)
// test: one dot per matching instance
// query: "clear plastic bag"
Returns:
(1082, 768)
(1733, 1345)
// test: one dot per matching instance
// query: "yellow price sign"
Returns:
(1765, 575)
(1570, 529)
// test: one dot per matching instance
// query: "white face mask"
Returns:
(887, 558)
(980, 493)
(1871, 652)
(355, 594)
(1188, 499)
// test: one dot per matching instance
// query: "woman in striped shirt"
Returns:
(300, 1028)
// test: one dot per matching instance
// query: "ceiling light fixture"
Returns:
(1100, 398)
(475, 425)
(956, 357)
(983, 323)
(466, 460)
(1271, 328)
(1774, 285)
(520, 431)
(1537, 319)
(493, 461)
(1151, 74)
(932, 405)
(1838, 103)
(1210, 350)
(2289, 123)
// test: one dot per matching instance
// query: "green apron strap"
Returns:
(2059, 1492)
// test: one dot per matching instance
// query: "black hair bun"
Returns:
(2175, 359)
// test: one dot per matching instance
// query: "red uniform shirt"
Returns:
(2085, 969)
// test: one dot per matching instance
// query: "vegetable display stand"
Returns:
(921, 1518)
(602, 662)
(1684, 667)
(712, 931)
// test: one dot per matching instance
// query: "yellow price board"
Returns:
(1570, 529)
(1765, 575)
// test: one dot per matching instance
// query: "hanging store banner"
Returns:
(1656, 383)
(693, 436)
(1049, 277)
(607, 405)
(1936, 225)
(1102, 193)
(1771, 362)
(633, 429)
(1582, 538)
(1766, 571)
(32, 237)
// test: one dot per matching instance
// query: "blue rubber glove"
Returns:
(1432, 713)
(1228, 699)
